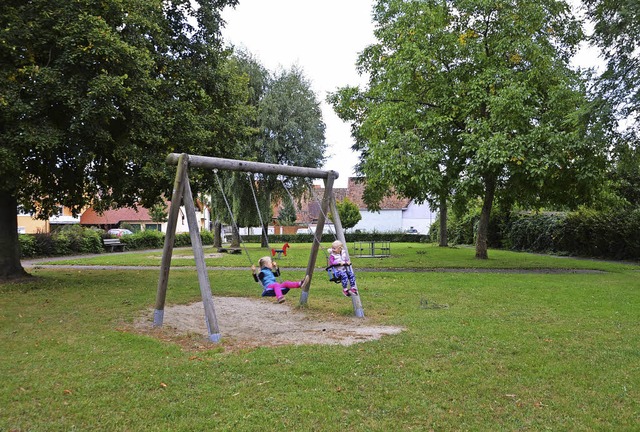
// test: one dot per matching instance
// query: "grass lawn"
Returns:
(499, 351)
(403, 255)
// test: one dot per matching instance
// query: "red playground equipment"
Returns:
(280, 252)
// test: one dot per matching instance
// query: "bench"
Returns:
(371, 249)
(230, 250)
(113, 245)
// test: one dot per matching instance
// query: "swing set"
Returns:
(182, 194)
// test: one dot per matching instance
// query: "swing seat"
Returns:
(333, 274)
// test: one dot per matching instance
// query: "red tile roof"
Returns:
(114, 217)
(355, 190)
(311, 206)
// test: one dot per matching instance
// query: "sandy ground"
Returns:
(249, 323)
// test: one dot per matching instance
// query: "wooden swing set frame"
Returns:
(182, 194)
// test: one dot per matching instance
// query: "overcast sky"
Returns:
(323, 38)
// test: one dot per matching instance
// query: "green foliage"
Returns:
(287, 215)
(535, 232)
(607, 234)
(617, 34)
(28, 246)
(95, 94)
(71, 239)
(589, 233)
(147, 239)
(152, 239)
(349, 213)
(477, 99)
(158, 213)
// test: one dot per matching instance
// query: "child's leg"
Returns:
(290, 284)
(344, 279)
(277, 288)
(352, 279)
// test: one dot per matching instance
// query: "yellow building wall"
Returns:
(28, 225)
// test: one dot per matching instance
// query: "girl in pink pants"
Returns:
(267, 277)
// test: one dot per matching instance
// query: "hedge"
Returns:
(78, 240)
(613, 234)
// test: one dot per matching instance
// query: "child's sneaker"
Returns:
(281, 299)
(346, 292)
(354, 291)
(304, 282)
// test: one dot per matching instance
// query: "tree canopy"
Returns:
(349, 213)
(475, 99)
(286, 127)
(617, 34)
(95, 94)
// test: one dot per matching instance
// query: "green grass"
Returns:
(501, 352)
(403, 255)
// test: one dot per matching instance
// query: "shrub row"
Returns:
(70, 240)
(78, 240)
(586, 233)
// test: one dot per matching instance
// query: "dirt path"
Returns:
(249, 323)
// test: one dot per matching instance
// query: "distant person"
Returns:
(342, 268)
(269, 271)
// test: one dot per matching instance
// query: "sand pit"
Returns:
(250, 323)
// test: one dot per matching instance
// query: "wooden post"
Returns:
(201, 267)
(324, 208)
(358, 311)
(176, 198)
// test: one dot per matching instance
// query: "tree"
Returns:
(94, 96)
(158, 213)
(475, 98)
(288, 214)
(291, 132)
(407, 124)
(349, 213)
(617, 34)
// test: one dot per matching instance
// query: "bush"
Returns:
(588, 233)
(148, 239)
(608, 234)
(72, 239)
(534, 233)
(28, 247)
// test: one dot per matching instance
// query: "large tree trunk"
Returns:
(444, 238)
(235, 237)
(10, 266)
(217, 234)
(483, 224)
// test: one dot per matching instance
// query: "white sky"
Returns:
(324, 38)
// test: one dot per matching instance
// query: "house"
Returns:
(396, 214)
(28, 224)
(140, 220)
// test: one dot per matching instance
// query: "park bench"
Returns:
(113, 244)
(371, 249)
(230, 250)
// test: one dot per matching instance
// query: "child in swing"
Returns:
(269, 270)
(338, 258)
